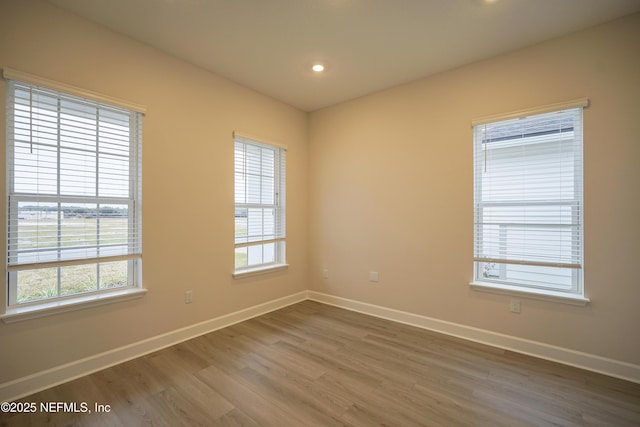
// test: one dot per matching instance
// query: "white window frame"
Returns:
(275, 202)
(497, 282)
(17, 310)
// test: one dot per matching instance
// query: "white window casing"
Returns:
(260, 205)
(528, 201)
(74, 175)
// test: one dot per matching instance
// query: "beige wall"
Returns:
(187, 184)
(391, 191)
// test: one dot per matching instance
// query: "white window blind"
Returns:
(260, 231)
(528, 201)
(74, 176)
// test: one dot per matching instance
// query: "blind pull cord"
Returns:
(485, 148)
(30, 120)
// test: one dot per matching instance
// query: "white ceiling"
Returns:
(366, 45)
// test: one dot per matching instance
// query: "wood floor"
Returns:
(313, 364)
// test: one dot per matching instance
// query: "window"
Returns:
(74, 193)
(259, 205)
(528, 202)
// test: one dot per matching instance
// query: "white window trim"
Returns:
(41, 308)
(280, 263)
(259, 139)
(540, 294)
(533, 293)
(576, 103)
(248, 272)
(11, 74)
(77, 302)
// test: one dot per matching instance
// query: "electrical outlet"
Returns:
(514, 306)
(325, 273)
(188, 297)
(374, 276)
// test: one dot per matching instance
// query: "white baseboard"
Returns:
(30, 384)
(590, 362)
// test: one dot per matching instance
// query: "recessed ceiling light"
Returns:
(318, 68)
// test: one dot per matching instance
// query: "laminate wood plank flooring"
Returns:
(312, 364)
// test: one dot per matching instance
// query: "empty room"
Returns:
(320, 212)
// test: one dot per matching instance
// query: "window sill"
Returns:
(534, 294)
(16, 314)
(260, 270)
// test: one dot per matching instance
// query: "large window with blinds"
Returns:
(74, 195)
(528, 202)
(260, 177)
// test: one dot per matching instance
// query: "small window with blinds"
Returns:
(74, 193)
(528, 202)
(260, 174)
